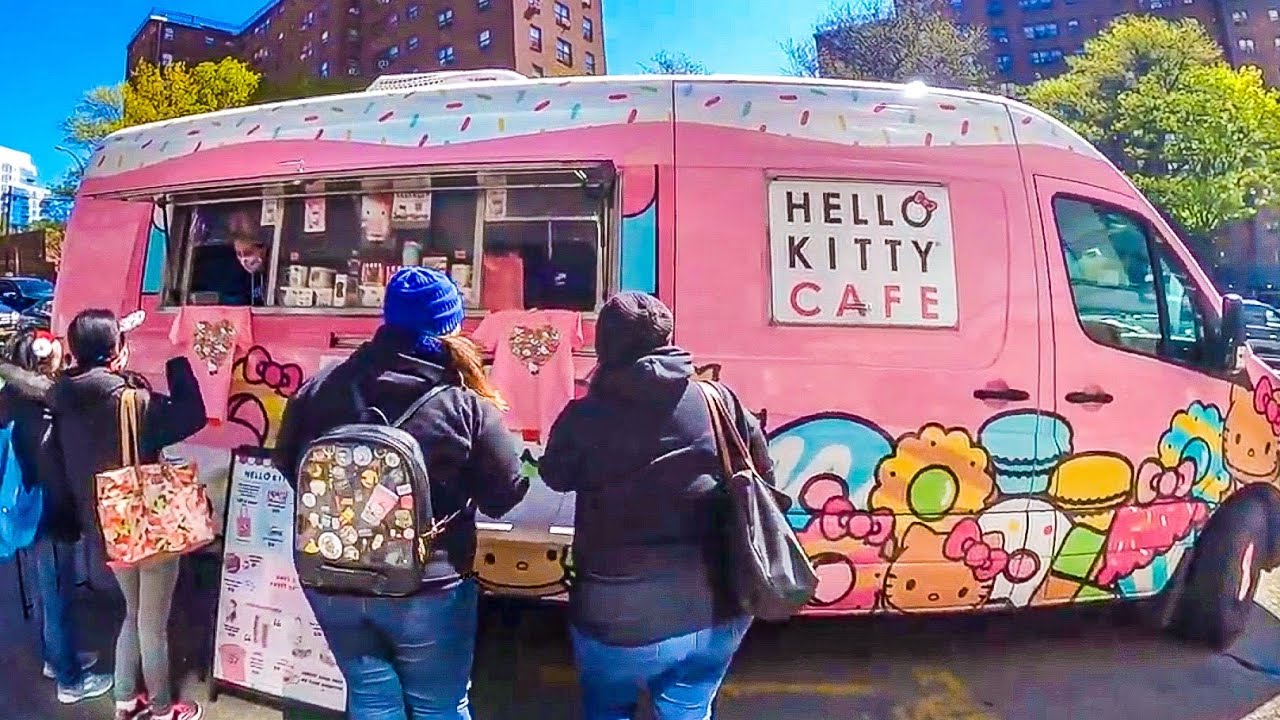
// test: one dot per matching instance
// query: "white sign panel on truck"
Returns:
(861, 253)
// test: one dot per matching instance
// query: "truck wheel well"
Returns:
(1266, 495)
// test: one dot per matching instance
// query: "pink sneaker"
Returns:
(135, 709)
(181, 711)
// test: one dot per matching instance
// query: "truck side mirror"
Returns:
(1231, 336)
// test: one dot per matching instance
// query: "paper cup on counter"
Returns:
(296, 276)
(321, 278)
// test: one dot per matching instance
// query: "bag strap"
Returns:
(129, 422)
(414, 407)
(730, 446)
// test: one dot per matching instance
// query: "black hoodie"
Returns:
(640, 454)
(470, 453)
(86, 409)
(24, 402)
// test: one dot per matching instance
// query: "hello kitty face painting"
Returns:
(1249, 437)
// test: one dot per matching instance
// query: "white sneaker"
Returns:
(87, 660)
(90, 686)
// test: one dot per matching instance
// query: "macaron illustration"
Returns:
(1025, 446)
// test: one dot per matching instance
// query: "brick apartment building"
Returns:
(1030, 39)
(292, 39)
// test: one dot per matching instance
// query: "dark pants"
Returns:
(682, 674)
(403, 658)
(55, 578)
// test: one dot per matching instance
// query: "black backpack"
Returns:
(364, 522)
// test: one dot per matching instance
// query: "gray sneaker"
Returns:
(90, 686)
(87, 660)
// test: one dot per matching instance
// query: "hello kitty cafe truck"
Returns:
(991, 376)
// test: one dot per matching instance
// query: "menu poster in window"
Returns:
(271, 209)
(862, 253)
(411, 210)
(495, 204)
(314, 215)
(267, 639)
(375, 218)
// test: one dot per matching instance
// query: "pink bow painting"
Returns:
(1157, 483)
(984, 555)
(840, 519)
(1265, 402)
(923, 201)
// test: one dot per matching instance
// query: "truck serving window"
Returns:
(510, 239)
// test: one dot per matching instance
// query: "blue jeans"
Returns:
(683, 673)
(55, 578)
(403, 658)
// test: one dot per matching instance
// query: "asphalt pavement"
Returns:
(1044, 665)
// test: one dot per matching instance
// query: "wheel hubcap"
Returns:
(1246, 572)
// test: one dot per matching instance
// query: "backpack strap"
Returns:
(415, 406)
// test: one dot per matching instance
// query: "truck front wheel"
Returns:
(1224, 574)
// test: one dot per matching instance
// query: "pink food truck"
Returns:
(991, 374)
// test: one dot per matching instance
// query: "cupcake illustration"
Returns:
(1025, 446)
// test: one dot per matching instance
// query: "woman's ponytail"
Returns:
(469, 363)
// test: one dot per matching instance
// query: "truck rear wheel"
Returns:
(1215, 606)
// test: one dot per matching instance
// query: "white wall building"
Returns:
(21, 196)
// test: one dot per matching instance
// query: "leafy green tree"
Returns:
(669, 63)
(98, 114)
(1200, 138)
(176, 90)
(304, 86)
(894, 42)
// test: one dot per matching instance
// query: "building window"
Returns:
(308, 20)
(444, 18)
(999, 35)
(564, 52)
(484, 4)
(324, 69)
(1239, 17)
(393, 52)
(588, 30)
(535, 38)
(414, 41)
(353, 33)
(394, 19)
(445, 55)
(1246, 45)
(1039, 31)
(1273, 15)
(1073, 25)
(485, 39)
(589, 62)
(538, 71)
(1035, 4)
(166, 59)
(353, 68)
(562, 15)
(324, 37)
(168, 33)
(1159, 4)
(383, 64)
(1120, 277)
(1004, 62)
(1046, 57)
(995, 8)
(413, 12)
(209, 41)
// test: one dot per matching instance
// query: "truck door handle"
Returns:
(1097, 397)
(1005, 394)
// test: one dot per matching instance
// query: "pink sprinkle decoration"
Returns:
(712, 102)
(764, 128)
(964, 128)
(423, 141)
(387, 116)
(192, 133)
(466, 123)
(542, 106)
(198, 146)
(147, 144)
(102, 160)
(631, 116)
(1026, 120)
(804, 118)
(928, 139)
(788, 98)
(311, 118)
(945, 106)
(879, 108)
(254, 129)
(453, 106)
(320, 133)
(618, 96)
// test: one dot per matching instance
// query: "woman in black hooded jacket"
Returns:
(86, 407)
(649, 605)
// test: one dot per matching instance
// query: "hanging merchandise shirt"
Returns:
(503, 282)
(209, 336)
(532, 363)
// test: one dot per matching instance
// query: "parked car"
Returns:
(36, 317)
(21, 293)
(1262, 330)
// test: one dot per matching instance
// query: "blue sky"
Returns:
(55, 50)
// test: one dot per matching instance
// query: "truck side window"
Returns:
(1130, 291)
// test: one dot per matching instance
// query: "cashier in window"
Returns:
(251, 285)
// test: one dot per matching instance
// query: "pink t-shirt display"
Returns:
(532, 362)
(502, 282)
(209, 336)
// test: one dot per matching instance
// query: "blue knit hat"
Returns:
(426, 303)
